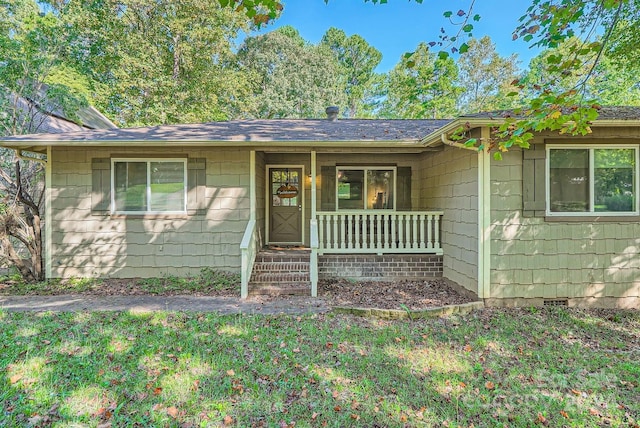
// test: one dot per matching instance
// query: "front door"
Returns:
(285, 209)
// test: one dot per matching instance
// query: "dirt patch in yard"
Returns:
(406, 294)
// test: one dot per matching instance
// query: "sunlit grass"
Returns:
(498, 367)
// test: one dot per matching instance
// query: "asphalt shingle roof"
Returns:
(605, 113)
(257, 131)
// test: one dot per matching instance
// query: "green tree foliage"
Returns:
(157, 62)
(374, 96)
(422, 85)
(31, 69)
(291, 78)
(358, 60)
(486, 78)
(599, 26)
(608, 83)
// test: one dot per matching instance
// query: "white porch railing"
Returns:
(379, 232)
(248, 251)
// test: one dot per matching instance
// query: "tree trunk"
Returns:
(24, 270)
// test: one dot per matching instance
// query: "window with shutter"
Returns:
(533, 181)
(328, 188)
(100, 186)
(148, 186)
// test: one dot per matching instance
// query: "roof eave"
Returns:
(435, 138)
(23, 144)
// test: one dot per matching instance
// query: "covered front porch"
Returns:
(339, 206)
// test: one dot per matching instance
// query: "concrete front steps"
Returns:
(281, 272)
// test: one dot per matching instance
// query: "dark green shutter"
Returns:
(196, 186)
(100, 186)
(533, 181)
(328, 188)
(403, 188)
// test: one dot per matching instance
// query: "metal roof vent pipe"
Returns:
(332, 113)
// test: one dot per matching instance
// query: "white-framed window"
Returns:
(592, 180)
(141, 186)
(366, 188)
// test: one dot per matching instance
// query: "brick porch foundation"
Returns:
(372, 267)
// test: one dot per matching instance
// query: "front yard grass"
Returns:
(543, 367)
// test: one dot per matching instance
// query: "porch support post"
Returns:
(48, 217)
(484, 219)
(252, 185)
(313, 230)
(313, 184)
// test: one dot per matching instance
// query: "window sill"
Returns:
(594, 219)
(151, 216)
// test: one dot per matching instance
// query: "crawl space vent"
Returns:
(561, 302)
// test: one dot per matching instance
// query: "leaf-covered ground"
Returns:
(407, 294)
(518, 367)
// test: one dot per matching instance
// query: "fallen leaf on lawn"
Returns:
(376, 409)
(355, 417)
(403, 418)
(467, 348)
(329, 345)
(228, 420)
(231, 373)
(104, 425)
(46, 342)
(172, 411)
(35, 420)
(282, 344)
(541, 419)
(489, 385)
(296, 350)
(564, 414)
(196, 384)
(334, 394)
(576, 392)
(15, 378)
(594, 412)
(157, 390)
(314, 416)
(354, 405)
(337, 408)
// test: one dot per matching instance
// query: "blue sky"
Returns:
(398, 26)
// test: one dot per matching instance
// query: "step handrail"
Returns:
(248, 251)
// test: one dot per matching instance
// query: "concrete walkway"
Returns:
(221, 305)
